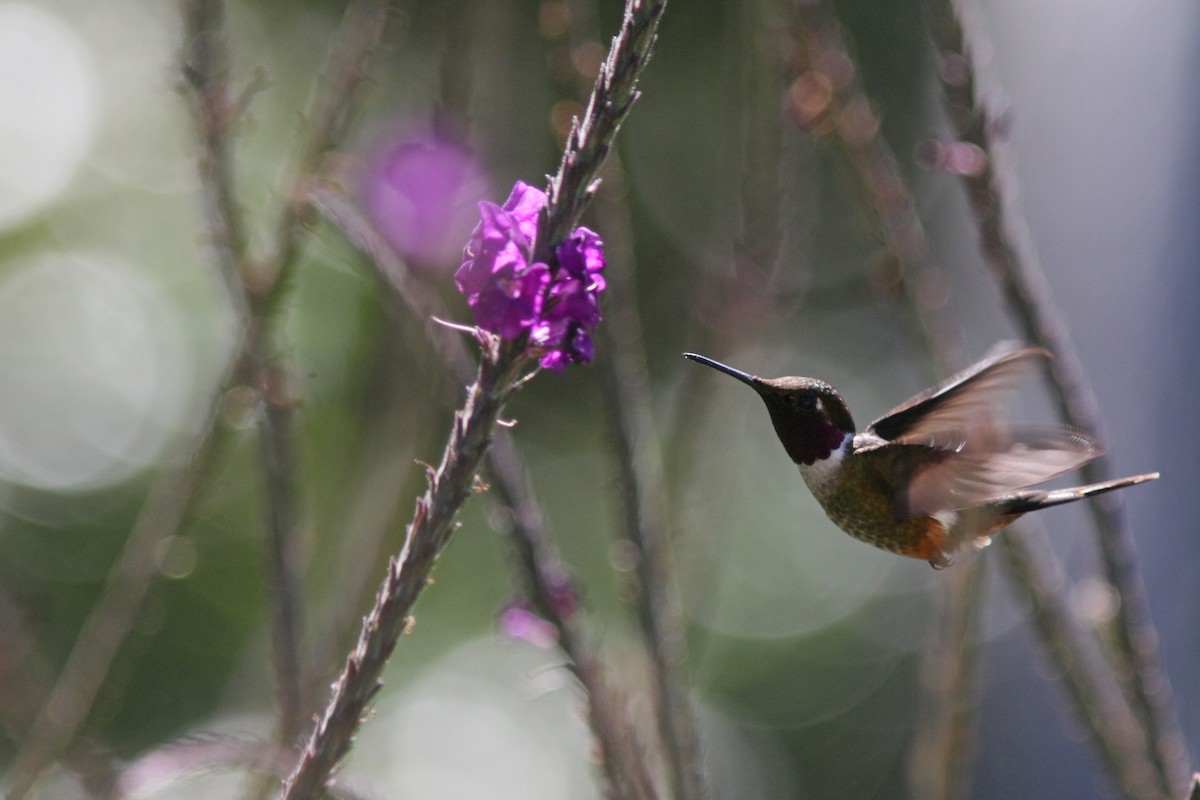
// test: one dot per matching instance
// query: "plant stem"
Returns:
(940, 757)
(326, 117)
(591, 138)
(324, 122)
(1011, 257)
(626, 382)
(622, 360)
(206, 72)
(112, 619)
(1116, 732)
(407, 574)
(552, 590)
(204, 66)
(499, 372)
(544, 575)
(942, 748)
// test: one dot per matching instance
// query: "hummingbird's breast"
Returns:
(824, 475)
(855, 488)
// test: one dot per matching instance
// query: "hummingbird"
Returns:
(935, 474)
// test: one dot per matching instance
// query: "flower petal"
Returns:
(511, 301)
(582, 254)
(524, 205)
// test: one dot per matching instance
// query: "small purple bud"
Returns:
(582, 255)
(520, 623)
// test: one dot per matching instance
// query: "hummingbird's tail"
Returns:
(1024, 502)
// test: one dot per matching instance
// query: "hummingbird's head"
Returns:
(810, 417)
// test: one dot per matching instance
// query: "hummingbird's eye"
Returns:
(804, 401)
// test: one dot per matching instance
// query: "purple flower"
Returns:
(524, 205)
(582, 256)
(421, 191)
(496, 245)
(569, 344)
(511, 295)
(511, 301)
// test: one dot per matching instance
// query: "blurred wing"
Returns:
(959, 403)
(961, 476)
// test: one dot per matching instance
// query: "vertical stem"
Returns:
(1117, 733)
(204, 65)
(940, 759)
(551, 588)
(941, 753)
(277, 442)
(325, 120)
(1011, 257)
(639, 472)
(356, 40)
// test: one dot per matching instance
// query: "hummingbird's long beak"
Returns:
(745, 378)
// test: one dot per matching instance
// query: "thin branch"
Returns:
(548, 582)
(591, 138)
(114, 615)
(407, 575)
(1117, 734)
(345, 67)
(322, 127)
(943, 743)
(638, 456)
(827, 98)
(499, 371)
(1013, 261)
(626, 383)
(280, 465)
(552, 589)
(206, 71)
(216, 108)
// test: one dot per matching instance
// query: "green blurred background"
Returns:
(805, 644)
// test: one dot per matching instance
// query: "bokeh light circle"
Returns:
(422, 191)
(49, 99)
(492, 720)
(93, 383)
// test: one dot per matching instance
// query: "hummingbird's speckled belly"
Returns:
(862, 505)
